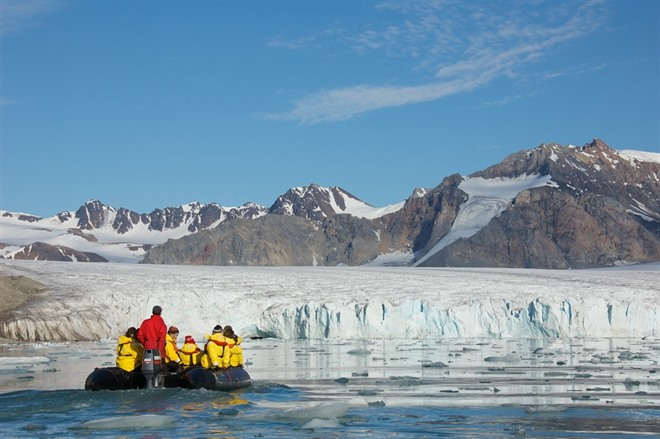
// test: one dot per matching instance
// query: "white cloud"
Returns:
(15, 15)
(570, 72)
(345, 103)
(467, 44)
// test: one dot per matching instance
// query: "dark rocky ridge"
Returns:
(40, 251)
(93, 215)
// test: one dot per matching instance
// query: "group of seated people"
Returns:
(222, 349)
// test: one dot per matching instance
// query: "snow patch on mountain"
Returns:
(640, 156)
(363, 210)
(393, 259)
(488, 198)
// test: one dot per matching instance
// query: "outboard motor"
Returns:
(151, 368)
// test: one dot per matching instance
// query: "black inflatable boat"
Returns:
(197, 377)
(152, 375)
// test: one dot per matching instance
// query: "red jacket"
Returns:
(152, 334)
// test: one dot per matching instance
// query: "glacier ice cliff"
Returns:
(99, 301)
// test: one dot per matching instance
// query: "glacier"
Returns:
(90, 302)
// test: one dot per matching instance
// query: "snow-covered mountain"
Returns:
(550, 207)
(105, 233)
(100, 233)
(556, 207)
(317, 203)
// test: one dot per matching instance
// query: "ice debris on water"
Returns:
(435, 364)
(359, 352)
(508, 358)
(11, 362)
(318, 411)
(545, 409)
(228, 412)
(128, 423)
(322, 423)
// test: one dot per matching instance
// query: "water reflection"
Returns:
(475, 372)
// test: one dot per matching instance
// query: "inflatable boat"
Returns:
(152, 375)
(113, 378)
(231, 378)
(197, 377)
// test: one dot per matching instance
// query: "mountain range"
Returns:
(552, 206)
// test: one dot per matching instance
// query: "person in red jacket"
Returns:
(153, 331)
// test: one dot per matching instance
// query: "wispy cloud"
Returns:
(16, 15)
(500, 102)
(289, 43)
(573, 71)
(7, 102)
(345, 103)
(466, 44)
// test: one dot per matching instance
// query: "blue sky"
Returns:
(150, 104)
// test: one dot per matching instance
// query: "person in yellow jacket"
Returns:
(190, 353)
(233, 355)
(172, 360)
(214, 349)
(129, 351)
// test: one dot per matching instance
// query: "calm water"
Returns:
(360, 389)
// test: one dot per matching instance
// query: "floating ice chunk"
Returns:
(322, 423)
(11, 362)
(320, 411)
(545, 409)
(508, 358)
(436, 364)
(359, 352)
(128, 423)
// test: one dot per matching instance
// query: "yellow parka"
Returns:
(129, 353)
(171, 350)
(190, 354)
(233, 355)
(214, 350)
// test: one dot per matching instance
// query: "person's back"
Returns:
(190, 354)
(233, 354)
(129, 351)
(214, 349)
(152, 332)
(172, 360)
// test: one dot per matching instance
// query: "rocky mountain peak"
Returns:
(596, 145)
(312, 202)
(93, 215)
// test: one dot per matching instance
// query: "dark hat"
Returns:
(173, 330)
(217, 328)
(131, 332)
(157, 310)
